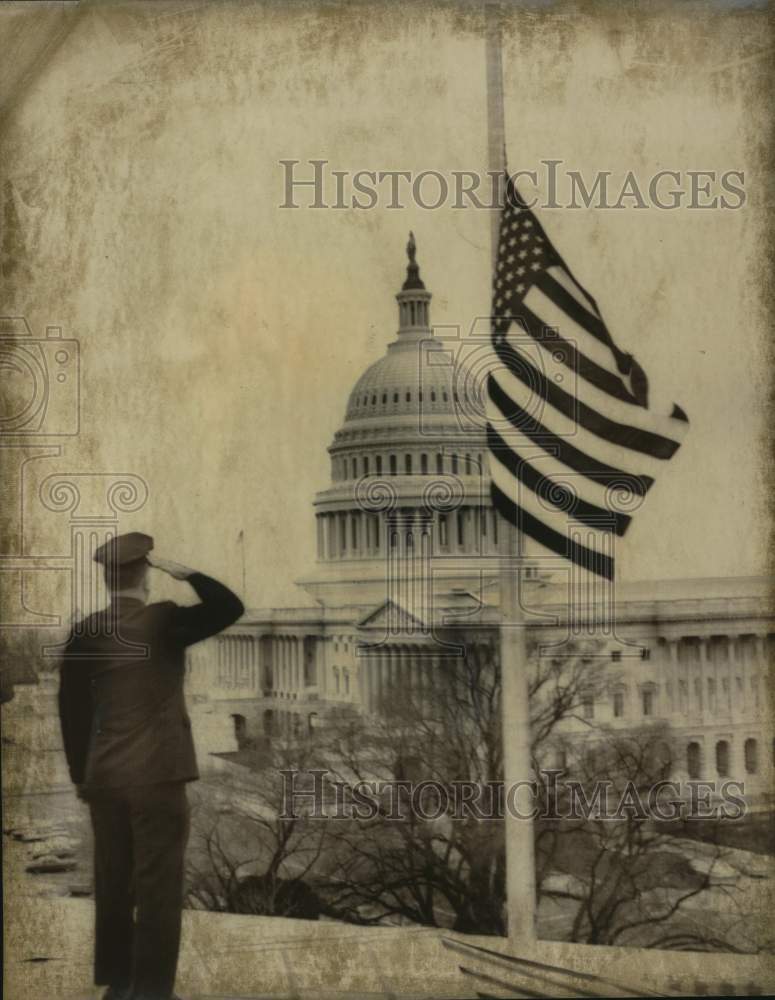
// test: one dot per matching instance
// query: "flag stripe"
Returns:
(563, 277)
(561, 545)
(555, 344)
(597, 536)
(557, 373)
(574, 458)
(562, 495)
(557, 377)
(595, 489)
(555, 318)
(619, 457)
(626, 435)
(570, 305)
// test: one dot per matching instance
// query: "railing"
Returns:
(494, 974)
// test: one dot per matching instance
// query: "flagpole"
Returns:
(515, 710)
(242, 546)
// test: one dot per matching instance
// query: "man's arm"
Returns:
(75, 711)
(219, 607)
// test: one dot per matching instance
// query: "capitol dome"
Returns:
(409, 461)
(413, 376)
(420, 382)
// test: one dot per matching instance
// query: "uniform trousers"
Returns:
(140, 837)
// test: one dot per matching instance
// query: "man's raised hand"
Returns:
(176, 570)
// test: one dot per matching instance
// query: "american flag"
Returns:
(574, 446)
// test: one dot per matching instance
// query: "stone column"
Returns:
(254, 685)
(759, 672)
(383, 668)
(741, 670)
(703, 672)
(390, 673)
(670, 668)
(288, 674)
(411, 672)
(364, 663)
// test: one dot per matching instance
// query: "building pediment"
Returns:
(390, 616)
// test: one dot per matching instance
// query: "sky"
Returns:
(221, 334)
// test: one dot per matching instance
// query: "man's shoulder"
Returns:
(160, 612)
(161, 607)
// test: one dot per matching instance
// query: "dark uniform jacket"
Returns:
(121, 705)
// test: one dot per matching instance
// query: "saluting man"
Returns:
(127, 738)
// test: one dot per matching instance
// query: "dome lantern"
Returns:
(413, 299)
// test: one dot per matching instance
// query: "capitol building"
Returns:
(406, 578)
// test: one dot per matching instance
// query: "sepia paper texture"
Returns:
(209, 336)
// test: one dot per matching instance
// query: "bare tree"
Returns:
(626, 881)
(448, 870)
(260, 859)
(632, 881)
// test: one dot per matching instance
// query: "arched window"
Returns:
(722, 758)
(439, 464)
(408, 464)
(365, 465)
(424, 465)
(240, 730)
(647, 700)
(355, 468)
(395, 397)
(336, 679)
(618, 704)
(693, 759)
(378, 460)
(393, 465)
(662, 760)
(751, 756)
(468, 465)
(433, 395)
(409, 397)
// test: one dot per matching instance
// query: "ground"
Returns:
(48, 934)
